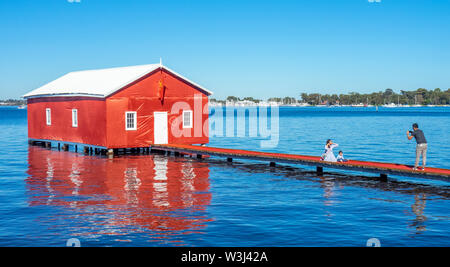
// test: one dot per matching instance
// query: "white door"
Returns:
(161, 128)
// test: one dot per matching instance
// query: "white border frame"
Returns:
(192, 119)
(75, 118)
(156, 128)
(134, 118)
(48, 116)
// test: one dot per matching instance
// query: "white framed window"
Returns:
(130, 120)
(187, 119)
(74, 117)
(48, 116)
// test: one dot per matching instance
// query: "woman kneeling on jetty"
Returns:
(328, 154)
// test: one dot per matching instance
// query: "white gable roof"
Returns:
(99, 83)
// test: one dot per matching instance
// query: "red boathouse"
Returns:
(129, 107)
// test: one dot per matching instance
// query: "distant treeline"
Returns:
(420, 96)
(286, 100)
(12, 102)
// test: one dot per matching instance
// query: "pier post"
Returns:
(229, 160)
(319, 170)
(383, 177)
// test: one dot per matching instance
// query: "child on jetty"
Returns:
(340, 157)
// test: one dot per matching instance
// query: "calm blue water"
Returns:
(48, 196)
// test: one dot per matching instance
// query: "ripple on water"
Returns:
(49, 196)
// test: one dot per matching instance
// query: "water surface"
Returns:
(49, 196)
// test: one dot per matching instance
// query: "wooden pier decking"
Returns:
(383, 169)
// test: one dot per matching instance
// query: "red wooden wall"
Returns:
(142, 97)
(101, 122)
(91, 120)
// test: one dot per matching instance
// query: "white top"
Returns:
(99, 83)
(329, 155)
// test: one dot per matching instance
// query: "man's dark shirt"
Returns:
(420, 137)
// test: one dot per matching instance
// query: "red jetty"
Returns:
(352, 165)
(129, 107)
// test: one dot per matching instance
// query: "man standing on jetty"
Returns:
(421, 148)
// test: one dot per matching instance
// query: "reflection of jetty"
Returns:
(384, 169)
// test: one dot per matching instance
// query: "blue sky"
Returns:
(243, 48)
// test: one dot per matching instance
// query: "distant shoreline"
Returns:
(9, 103)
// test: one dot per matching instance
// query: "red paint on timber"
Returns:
(143, 98)
(311, 159)
(91, 120)
(101, 121)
